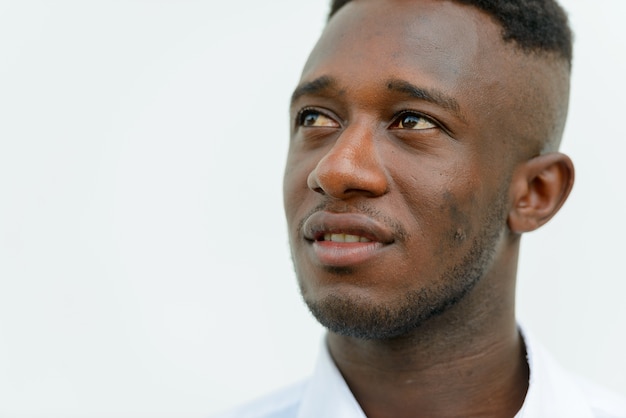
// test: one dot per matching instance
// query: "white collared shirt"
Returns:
(552, 393)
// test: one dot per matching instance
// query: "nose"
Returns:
(352, 166)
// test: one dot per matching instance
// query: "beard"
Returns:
(359, 317)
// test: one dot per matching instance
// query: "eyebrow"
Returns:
(434, 96)
(313, 87)
(430, 95)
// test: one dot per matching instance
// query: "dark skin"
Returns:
(425, 144)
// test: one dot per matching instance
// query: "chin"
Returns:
(363, 318)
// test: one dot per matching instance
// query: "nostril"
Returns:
(314, 184)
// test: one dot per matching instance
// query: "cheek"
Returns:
(443, 202)
(458, 211)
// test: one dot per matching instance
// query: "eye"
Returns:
(314, 118)
(411, 120)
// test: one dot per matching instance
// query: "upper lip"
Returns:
(320, 223)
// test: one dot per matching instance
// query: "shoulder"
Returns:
(283, 403)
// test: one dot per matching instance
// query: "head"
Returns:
(423, 143)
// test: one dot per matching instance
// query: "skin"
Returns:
(416, 127)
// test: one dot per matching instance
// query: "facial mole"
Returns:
(460, 235)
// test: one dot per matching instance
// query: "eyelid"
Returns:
(414, 113)
(324, 112)
(429, 118)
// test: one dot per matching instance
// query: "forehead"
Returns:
(437, 45)
(441, 39)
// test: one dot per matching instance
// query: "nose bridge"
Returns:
(352, 165)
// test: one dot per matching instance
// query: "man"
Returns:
(424, 137)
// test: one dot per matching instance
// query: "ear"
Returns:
(539, 188)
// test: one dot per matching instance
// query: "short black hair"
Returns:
(534, 25)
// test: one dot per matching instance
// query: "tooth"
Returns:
(352, 238)
(337, 237)
(344, 238)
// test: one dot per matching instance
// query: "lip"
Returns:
(344, 254)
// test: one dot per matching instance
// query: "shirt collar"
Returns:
(551, 392)
(328, 394)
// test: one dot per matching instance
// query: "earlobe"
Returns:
(539, 188)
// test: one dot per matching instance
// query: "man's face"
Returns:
(396, 184)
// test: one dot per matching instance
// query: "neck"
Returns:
(469, 361)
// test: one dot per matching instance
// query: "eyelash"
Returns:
(303, 112)
(404, 113)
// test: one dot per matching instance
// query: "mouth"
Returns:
(345, 228)
(345, 239)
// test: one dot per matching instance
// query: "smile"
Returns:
(346, 228)
(345, 239)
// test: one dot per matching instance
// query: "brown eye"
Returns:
(314, 118)
(412, 121)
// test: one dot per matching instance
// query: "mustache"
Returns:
(362, 208)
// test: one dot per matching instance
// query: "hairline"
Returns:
(544, 53)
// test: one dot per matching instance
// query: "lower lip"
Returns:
(345, 254)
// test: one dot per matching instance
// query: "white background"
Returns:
(144, 266)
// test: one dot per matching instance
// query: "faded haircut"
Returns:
(533, 25)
